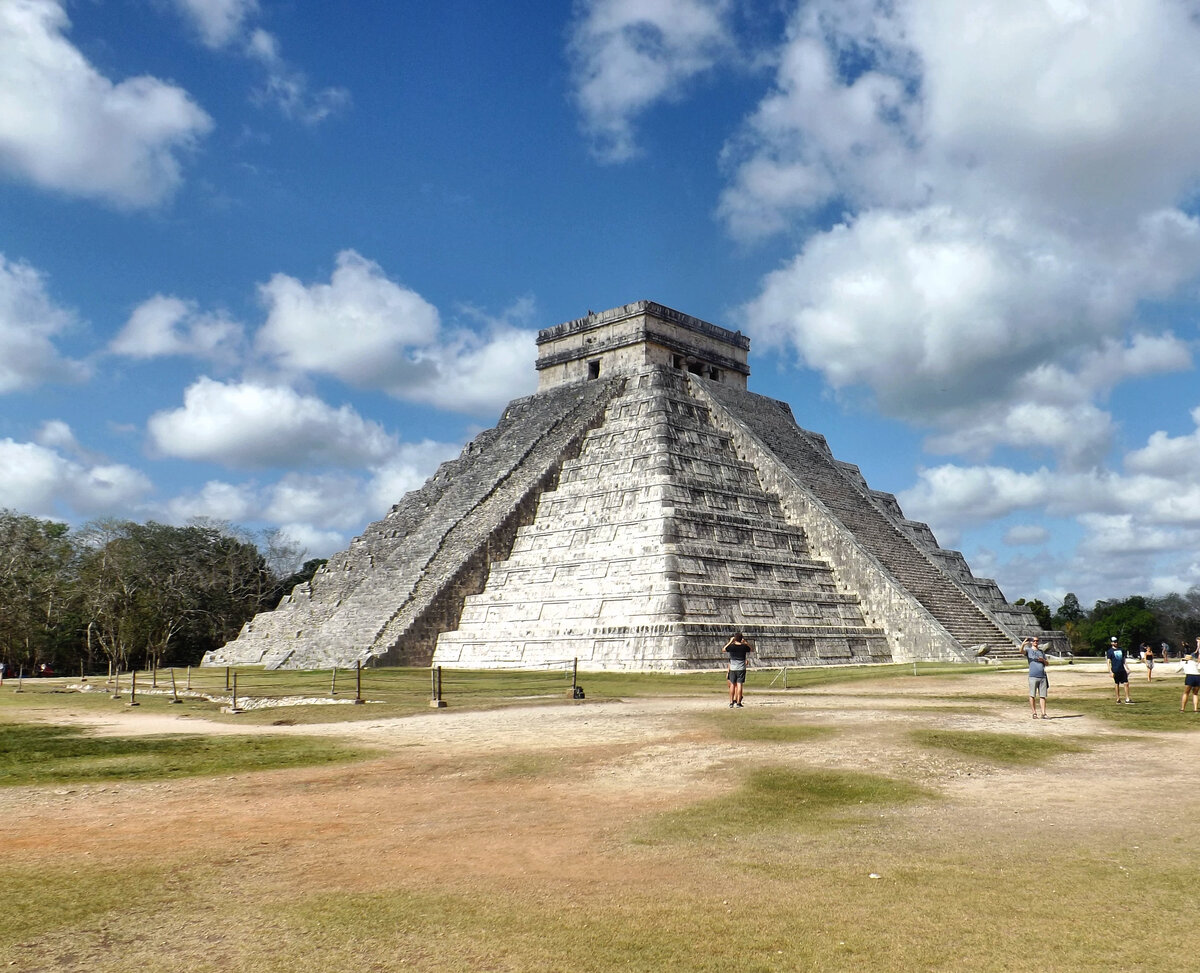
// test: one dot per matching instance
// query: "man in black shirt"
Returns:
(1116, 665)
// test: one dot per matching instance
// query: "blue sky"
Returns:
(271, 262)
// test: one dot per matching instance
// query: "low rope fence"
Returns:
(238, 689)
(405, 691)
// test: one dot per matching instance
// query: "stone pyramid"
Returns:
(631, 514)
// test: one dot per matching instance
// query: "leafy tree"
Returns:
(281, 554)
(232, 583)
(1078, 637)
(305, 573)
(1041, 611)
(1178, 616)
(1069, 611)
(1130, 620)
(37, 589)
(110, 583)
(169, 593)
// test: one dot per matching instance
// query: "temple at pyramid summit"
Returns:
(636, 510)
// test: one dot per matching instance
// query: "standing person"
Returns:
(1039, 682)
(738, 648)
(1116, 665)
(1148, 658)
(1191, 679)
(1166, 651)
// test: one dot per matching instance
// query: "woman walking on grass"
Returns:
(1191, 679)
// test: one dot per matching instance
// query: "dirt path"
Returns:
(653, 749)
(547, 797)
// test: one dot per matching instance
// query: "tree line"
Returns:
(1136, 620)
(131, 594)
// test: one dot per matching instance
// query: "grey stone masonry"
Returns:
(656, 545)
(632, 514)
(893, 553)
(403, 580)
(630, 337)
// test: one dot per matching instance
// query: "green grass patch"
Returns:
(1002, 748)
(528, 766)
(50, 897)
(820, 912)
(399, 692)
(1155, 707)
(41, 754)
(757, 726)
(775, 799)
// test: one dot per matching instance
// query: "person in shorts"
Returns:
(1191, 679)
(1039, 682)
(738, 648)
(1116, 665)
(1148, 658)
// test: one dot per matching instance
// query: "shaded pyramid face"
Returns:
(657, 544)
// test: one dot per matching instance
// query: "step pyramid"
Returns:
(632, 514)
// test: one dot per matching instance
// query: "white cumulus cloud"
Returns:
(216, 500)
(325, 500)
(1023, 534)
(164, 325)
(1013, 176)
(229, 25)
(371, 332)
(29, 323)
(626, 55)
(250, 425)
(217, 21)
(41, 481)
(317, 510)
(1169, 456)
(313, 541)
(360, 326)
(66, 127)
(407, 469)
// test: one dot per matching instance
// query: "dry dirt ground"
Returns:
(547, 795)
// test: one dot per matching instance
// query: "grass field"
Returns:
(861, 820)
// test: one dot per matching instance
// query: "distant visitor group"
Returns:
(1117, 660)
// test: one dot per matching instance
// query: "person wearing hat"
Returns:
(1116, 665)
(1039, 682)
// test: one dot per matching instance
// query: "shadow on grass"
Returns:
(1155, 708)
(37, 754)
(773, 799)
(760, 727)
(1002, 748)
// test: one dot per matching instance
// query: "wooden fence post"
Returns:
(437, 702)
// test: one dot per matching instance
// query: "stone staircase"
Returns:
(772, 422)
(657, 543)
(370, 601)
